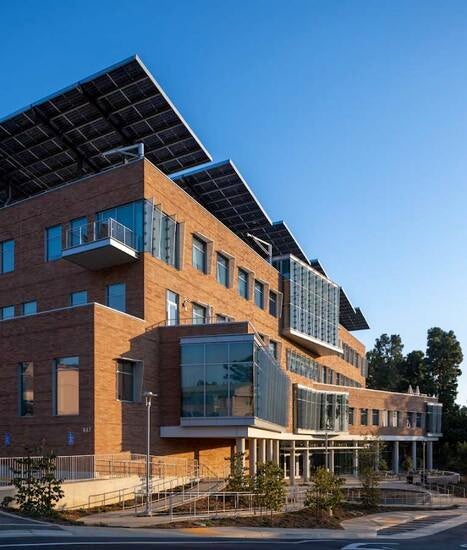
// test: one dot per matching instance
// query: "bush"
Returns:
(326, 493)
(269, 487)
(38, 490)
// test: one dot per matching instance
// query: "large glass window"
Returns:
(78, 231)
(375, 417)
(434, 418)
(125, 380)
(26, 389)
(67, 386)
(259, 294)
(199, 256)
(226, 377)
(7, 256)
(7, 312)
(29, 308)
(172, 308)
(116, 296)
(364, 417)
(53, 243)
(199, 314)
(243, 283)
(129, 215)
(321, 411)
(222, 270)
(78, 298)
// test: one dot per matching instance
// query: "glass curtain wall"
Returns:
(232, 377)
(320, 411)
(313, 301)
(434, 418)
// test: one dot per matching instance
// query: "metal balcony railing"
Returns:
(98, 231)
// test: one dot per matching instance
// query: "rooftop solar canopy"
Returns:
(61, 138)
(221, 189)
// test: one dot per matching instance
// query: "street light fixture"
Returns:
(148, 402)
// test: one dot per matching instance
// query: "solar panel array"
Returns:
(62, 137)
(221, 189)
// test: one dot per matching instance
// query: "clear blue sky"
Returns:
(348, 119)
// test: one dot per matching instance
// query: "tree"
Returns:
(384, 362)
(413, 372)
(269, 487)
(238, 480)
(369, 463)
(443, 359)
(325, 494)
(38, 489)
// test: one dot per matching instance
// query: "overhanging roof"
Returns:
(222, 190)
(61, 138)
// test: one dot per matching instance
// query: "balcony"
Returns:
(100, 245)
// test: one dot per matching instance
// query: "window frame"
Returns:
(24, 306)
(9, 308)
(75, 293)
(58, 362)
(48, 257)
(225, 267)
(3, 245)
(107, 296)
(168, 302)
(273, 300)
(261, 285)
(364, 414)
(21, 401)
(194, 306)
(242, 272)
(204, 251)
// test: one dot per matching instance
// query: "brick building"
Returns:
(129, 262)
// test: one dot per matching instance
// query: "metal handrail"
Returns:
(97, 231)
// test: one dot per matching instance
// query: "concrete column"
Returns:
(240, 448)
(276, 452)
(331, 460)
(292, 466)
(253, 460)
(306, 465)
(395, 457)
(429, 455)
(261, 451)
(414, 454)
(269, 450)
(355, 460)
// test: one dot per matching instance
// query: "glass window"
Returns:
(199, 255)
(192, 354)
(241, 390)
(79, 298)
(375, 417)
(193, 390)
(116, 296)
(7, 256)
(273, 348)
(172, 308)
(67, 386)
(259, 294)
(273, 303)
(222, 318)
(29, 308)
(241, 352)
(222, 270)
(418, 420)
(26, 389)
(53, 245)
(199, 314)
(243, 283)
(364, 417)
(7, 312)
(125, 380)
(217, 390)
(217, 353)
(78, 231)
(165, 235)
(129, 215)
(351, 415)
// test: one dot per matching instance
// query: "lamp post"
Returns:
(148, 401)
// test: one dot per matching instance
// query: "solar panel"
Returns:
(62, 137)
(349, 317)
(221, 189)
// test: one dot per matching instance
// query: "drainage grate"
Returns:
(414, 524)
